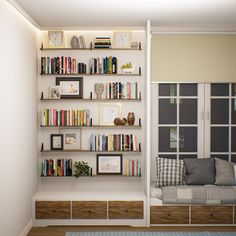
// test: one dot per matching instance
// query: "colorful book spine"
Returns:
(54, 117)
(56, 167)
(132, 168)
(114, 142)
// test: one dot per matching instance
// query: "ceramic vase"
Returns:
(74, 42)
(131, 118)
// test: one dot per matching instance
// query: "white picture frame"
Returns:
(72, 139)
(122, 39)
(55, 92)
(108, 112)
(56, 39)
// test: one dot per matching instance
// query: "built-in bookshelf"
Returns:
(104, 66)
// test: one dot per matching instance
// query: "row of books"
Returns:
(118, 90)
(132, 168)
(103, 65)
(58, 65)
(54, 117)
(102, 42)
(114, 142)
(56, 167)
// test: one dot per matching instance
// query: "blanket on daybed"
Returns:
(202, 195)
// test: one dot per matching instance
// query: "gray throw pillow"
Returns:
(224, 172)
(199, 171)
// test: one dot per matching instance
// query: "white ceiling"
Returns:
(131, 13)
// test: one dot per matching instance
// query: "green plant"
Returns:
(127, 65)
(82, 169)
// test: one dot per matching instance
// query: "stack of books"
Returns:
(102, 42)
(114, 142)
(56, 167)
(103, 65)
(132, 168)
(118, 90)
(54, 117)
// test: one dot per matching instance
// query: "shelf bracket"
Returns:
(42, 147)
(139, 46)
(41, 96)
(139, 122)
(140, 71)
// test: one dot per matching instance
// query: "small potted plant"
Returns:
(127, 68)
(82, 169)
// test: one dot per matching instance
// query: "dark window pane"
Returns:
(167, 111)
(188, 111)
(168, 156)
(188, 139)
(233, 89)
(219, 111)
(233, 139)
(220, 89)
(233, 110)
(167, 139)
(233, 158)
(223, 157)
(188, 89)
(219, 139)
(167, 90)
(187, 156)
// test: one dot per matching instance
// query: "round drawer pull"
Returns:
(169, 214)
(89, 211)
(126, 211)
(211, 214)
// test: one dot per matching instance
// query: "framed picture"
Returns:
(56, 141)
(56, 39)
(71, 87)
(72, 139)
(108, 113)
(54, 92)
(109, 164)
(122, 39)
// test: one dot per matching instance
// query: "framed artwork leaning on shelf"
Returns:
(54, 92)
(56, 141)
(70, 87)
(122, 39)
(56, 39)
(72, 139)
(108, 113)
(109, 164)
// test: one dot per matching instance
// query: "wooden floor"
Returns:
(60, 231)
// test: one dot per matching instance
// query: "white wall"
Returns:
(18, 120)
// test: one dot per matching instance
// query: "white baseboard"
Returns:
(27, 228)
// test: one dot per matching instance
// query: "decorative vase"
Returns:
(131, 118)
(99, 88)
(120, 121)
(74, 42)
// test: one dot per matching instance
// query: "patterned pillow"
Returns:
(170, 172)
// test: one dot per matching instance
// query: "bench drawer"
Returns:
(169, 214)
(52, 210)
(125, 209)
(89, 210)
(211, 214)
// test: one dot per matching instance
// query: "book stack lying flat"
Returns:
(102, 42)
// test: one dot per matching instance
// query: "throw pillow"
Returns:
(224, 172)
(170, 172)
(199, 171)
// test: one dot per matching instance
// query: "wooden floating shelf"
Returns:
(91, 100)
(87, 74)
(139, 48)
(94, 126)
(87, 151)
(95, 176)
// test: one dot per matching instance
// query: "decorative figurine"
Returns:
(99, 88)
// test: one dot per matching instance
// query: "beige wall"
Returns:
(197, 58)
(18, 120)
